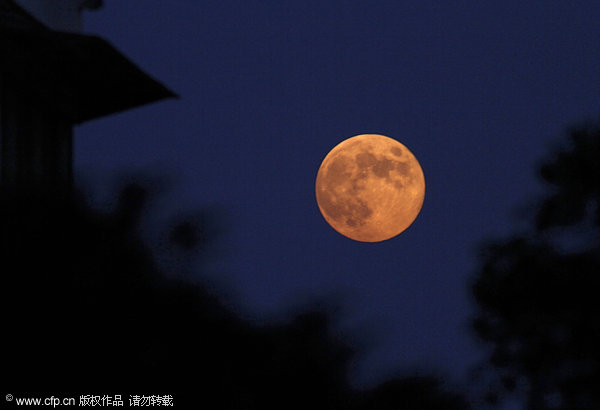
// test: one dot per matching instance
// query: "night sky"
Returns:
(478, 91)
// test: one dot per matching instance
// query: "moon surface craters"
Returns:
(341, 184)
(370, 188)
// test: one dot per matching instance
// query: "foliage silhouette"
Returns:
(86, 310)
(537, 293)
(411, 393)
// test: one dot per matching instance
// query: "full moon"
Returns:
(370, 188)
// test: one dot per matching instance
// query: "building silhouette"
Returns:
(53, 77)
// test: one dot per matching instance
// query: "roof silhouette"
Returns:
(83, 75)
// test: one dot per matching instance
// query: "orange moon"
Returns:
(370, 188)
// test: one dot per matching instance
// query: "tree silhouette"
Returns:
(537, 293)
(86, 310)
(411, 393)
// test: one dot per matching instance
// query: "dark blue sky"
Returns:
(478, 91)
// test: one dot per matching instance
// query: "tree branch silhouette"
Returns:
(536, 293)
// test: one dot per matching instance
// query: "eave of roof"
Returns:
(85, 76)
